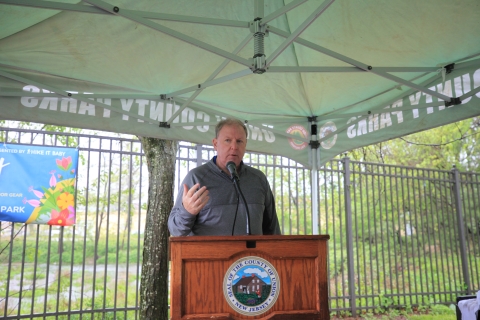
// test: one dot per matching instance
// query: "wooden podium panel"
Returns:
(200, 264)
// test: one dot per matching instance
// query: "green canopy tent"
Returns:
(311, 79)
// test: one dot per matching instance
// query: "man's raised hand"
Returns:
(195, 198)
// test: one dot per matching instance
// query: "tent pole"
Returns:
(314, 173)
(314, 188)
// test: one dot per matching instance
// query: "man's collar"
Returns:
(214, 159)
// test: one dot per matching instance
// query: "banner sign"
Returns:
(399, 113)
(37, 184)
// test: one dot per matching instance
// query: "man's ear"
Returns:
(214, 142)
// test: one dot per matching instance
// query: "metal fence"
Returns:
(399, 236)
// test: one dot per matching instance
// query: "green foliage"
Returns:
(385, 303)
(431, 317)
(440, 148)
(119, 315)
(404, 221)
(292, 196)
(440, 309)
(41, 254)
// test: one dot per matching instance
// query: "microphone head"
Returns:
(232, 168)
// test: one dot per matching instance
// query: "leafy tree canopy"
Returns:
(438, 148)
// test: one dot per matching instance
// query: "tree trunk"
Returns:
(160, 155)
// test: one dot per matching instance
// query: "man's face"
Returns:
(230, 145)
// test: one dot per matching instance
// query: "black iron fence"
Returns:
(399, 236)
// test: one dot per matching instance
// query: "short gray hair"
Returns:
(230, 122)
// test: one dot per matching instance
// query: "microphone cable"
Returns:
(235, 179)
(236, 211)
(239, 191)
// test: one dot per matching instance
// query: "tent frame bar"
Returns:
(178, 35)
(359, 64)
(52, 5)
(212, 77)
(281, 11)
(350, 69)
(210, 83)
(321, 9)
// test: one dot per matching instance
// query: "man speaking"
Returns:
(224, 196)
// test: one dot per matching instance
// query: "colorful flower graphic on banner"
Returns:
(37, 184)
(56, 203)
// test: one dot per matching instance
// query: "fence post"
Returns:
(199, 155)
(348, 215)
(461, 229)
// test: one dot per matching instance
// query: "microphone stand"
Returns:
(236, 183)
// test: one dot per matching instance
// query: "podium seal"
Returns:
(251, 286)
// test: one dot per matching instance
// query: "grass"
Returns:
(432, 317)
(400, 317)
(430, 312)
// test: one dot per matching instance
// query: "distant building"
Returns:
(250, 284)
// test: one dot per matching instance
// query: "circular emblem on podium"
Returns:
(251, 285)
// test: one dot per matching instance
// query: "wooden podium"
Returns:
(239, 277)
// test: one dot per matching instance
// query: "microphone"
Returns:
(232, 168)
